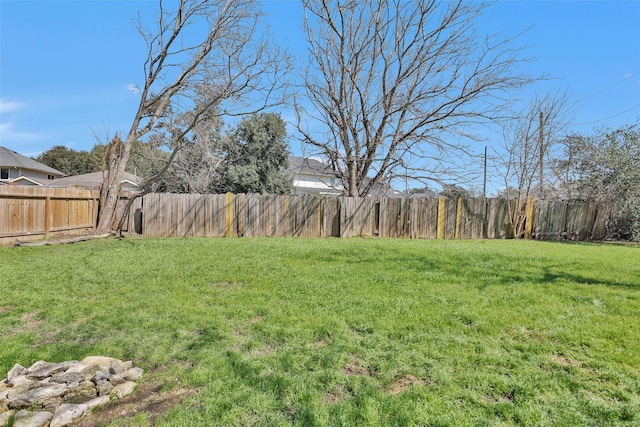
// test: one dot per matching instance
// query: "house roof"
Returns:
(93, 179)
(309, 166)
(29, 181)
(11, 159)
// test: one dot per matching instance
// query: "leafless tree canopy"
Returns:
(204, 57)
(525, 158)
(391, 83)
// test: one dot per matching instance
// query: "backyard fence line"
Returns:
(253, 215)
(29, 213)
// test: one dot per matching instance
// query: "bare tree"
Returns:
(526, 153)
(200, 54)
(394, 85)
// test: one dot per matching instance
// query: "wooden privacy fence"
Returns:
(28, 213)
(211, 215)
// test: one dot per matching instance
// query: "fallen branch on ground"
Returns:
(63, 241)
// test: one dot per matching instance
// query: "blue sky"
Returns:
(66, 67)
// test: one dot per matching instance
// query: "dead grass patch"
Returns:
(354, 367)
(6, 309)
(31, 322)
(334, 396)
(147, 398)
(256, 320)
(404, 383)
(565, 361)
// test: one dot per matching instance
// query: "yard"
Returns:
(338, 331)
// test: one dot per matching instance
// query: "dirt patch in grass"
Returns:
(404, 383)
(240, 330)
(31, 322)
(147, 398)
(508, 397)
(565, 361)
(355, 368)
(256, 320)
(334, 396)
(6, 309)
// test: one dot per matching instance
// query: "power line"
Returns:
(609, 87)
(607, 118)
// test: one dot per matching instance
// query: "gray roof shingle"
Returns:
(11, 159)
(93, 179)
(309, 166)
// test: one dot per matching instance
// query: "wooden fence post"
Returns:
(229, 214)
(458, 217)
(47, 215)
(319, 205)
(442, 214)
(528, 225)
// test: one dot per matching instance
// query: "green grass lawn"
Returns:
(341, 332)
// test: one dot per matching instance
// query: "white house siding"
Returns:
(314, 184)
(18, 172)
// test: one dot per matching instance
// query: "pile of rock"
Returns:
(56, 394)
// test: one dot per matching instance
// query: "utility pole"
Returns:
(541, 154)
(484, 197)
(484, 185)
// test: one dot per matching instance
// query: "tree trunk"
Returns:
(110, 191)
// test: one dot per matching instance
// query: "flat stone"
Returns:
(39, 396)
(104, 388)
(21, 388)
(98, 401)
(122, 390)
(116, 379)
(52, 404)
(26, 418)
(4, 404)
(4, 418)
(68, 413)
(84, 369)
(85, 391)
(114, 365)
(42, 369)
(18, 380)
(132, 374)
(4, 388)
(77, 367)
(101, 375)
(67, 378)
(17, 369)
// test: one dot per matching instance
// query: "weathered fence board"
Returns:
(29, 213)
(498, 224)
(570, 220)
(423, 218)
(358, 217)
(471, 215)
